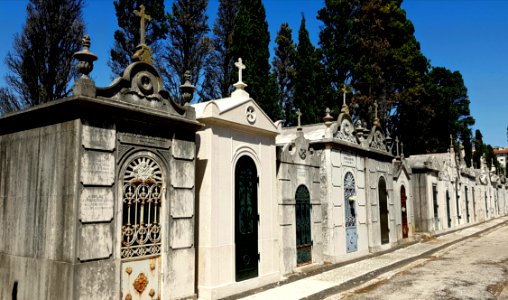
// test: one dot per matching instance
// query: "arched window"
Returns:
(141, 205)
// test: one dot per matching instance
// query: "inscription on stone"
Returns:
(348, 160)
(136, 139)
(97, 168)
(98, 138)
(96, 205)
(301, 171)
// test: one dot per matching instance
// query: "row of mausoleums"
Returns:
(120, 193)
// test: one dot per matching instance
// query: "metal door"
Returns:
(467, 204)
(403, 209)
(350, 212)
(448, 210)
(246, 219)
(436, 207)
(303, 227)
(383, 211)
(142, 197)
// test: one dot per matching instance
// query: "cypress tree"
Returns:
(250, 42)
(309, 83)
(41, 64)
(284, 70)
(219, 69)
(127, 36)
(188, 46)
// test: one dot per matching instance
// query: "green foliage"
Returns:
(41, 64)
(284, 70)
(189, 45)
(479, 149)
(250, 42)
(127, 37)
(219, 69)
(309, 84)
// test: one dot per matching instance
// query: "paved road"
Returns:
(476, 268)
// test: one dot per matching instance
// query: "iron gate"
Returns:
(349, 205)
(303, 226)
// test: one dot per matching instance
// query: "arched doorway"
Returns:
(246, 219)
(140, 249)
(303, 226)
(383, 211)
(350, 212)
(403, 210)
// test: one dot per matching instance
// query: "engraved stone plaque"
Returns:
(96, 204)
(143, 140)
(98, 138)
(96, 241)
(97, 168)
(348, 160)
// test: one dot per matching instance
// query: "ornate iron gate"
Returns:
(246, 219)
(142, 196)
(383, 211)
(349, 206)
(403, 209)
(303, 226)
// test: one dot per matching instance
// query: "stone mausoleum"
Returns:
(123, 193)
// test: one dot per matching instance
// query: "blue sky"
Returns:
(470, 36)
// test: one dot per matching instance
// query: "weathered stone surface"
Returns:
(182, 173)
(180, 282)
(182, 233)
(102, 138)
(97, 168)
(97, 280)
(96, 204)
(336, 176)
(183, 149)
(95, 241)
(182, 204)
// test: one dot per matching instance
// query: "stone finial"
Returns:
(345, 108)
(187, 89)
(452, 150)
(299, 115)
(376, 118)
(328, 118)
(397, 145)
(84, 86)
(85, 57)
(144, 17)
(401, 149)
(240, 85)
(142, 52)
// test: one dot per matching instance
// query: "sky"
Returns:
(470, 36)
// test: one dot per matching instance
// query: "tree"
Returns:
(309, 83)
(127, 37)
(479, 148)
(219, 69)
(335, 39)
(188, 46)
(284, 70)
(41, 64)
(8, 102)
(250, 42)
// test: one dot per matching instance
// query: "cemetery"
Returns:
(123, 193)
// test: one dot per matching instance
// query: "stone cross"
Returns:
(344, 90)
(376, 118)
(299, 114)
(397, 144)
(141, 13)
(240, 67)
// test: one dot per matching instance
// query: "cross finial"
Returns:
(344, 108)
(239, 64)
(141, 13)
(397, 144)
(299, 114)
(376, 118)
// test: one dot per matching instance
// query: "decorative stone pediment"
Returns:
(345, 129)
(376, 139)
(141, 85)
(235, 111)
